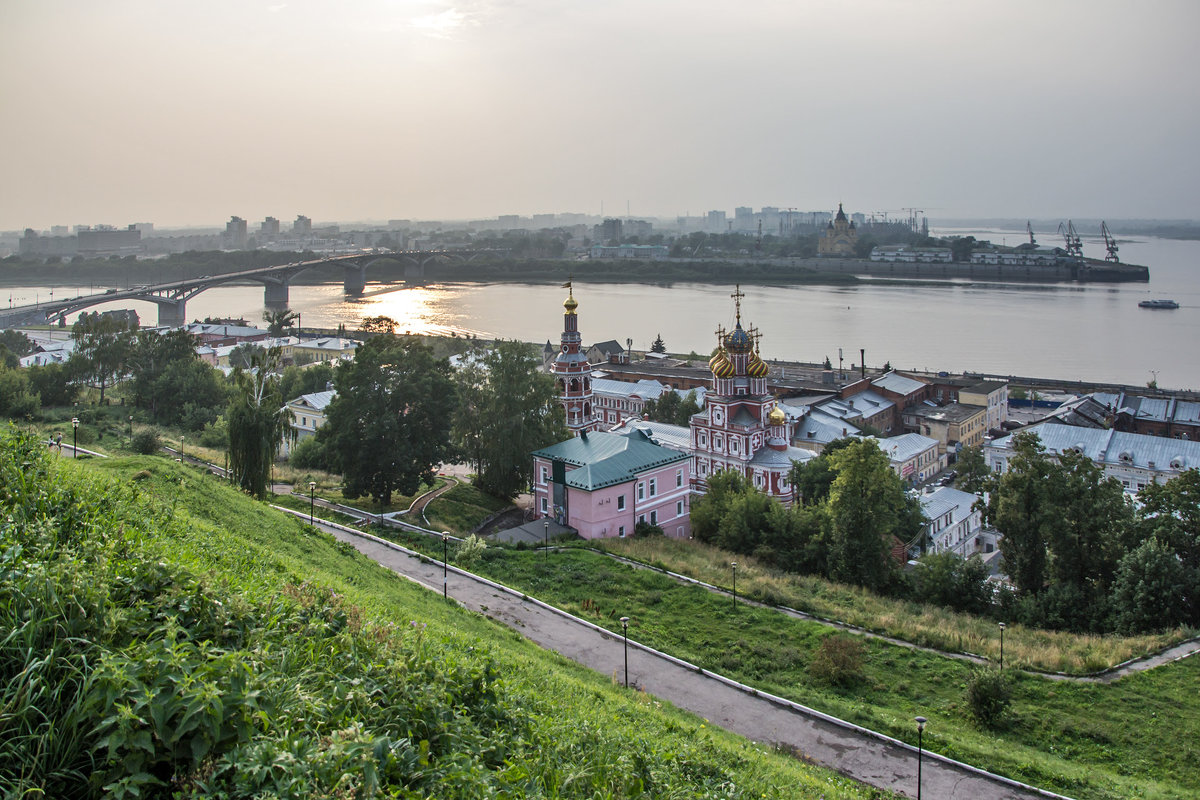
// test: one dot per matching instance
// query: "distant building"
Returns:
(953, 425)
(269, 227)
(610, 352)
(915, 458)
(302, 226)
(608, 232)
(912, 255)
(652, 252)
(235, 233)
(604, 484)
(1135, 459)
(325, 348)
(714, 222)
(308, 415)
(840, 236)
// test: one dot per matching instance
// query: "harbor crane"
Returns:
(1074, 246)
(912, 217)
(1029, 230)
(1110, 243)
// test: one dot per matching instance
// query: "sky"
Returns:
(184, 113)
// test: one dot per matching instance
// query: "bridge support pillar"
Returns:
(354, 279)
(171, 313)
(412, 271)
(275, 294)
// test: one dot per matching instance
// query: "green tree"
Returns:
(103, 344)
(379, 324)
(1153, 590)
(658, 346)
(242, 356)
(1019, 506)
(149, 359)
(16, 342)
(305, 380)
(946, 580)
(866, 504)
(972, 469)
(278, 320)
(1170, 513)
(665, 408)
(508, 407)
(54, 383)
(687, 408)
(388, 427)
(17, 398)
(258, 422)
(812, 479)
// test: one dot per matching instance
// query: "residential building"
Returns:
(911, 255)
(813, 428)
(308, 415)
(915, 458)
(618, 400)
(955, 524)
(609, 352)
(1135, 459)
(604, 484)
(326, 348)
(1133, 413)
(235, 233)
(866, 408)
(653, 252)
(953, 425)
(993, 396)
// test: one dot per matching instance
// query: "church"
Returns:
(839, 238)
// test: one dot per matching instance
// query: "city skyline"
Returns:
(184, 115)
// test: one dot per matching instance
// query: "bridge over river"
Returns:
(171, 298)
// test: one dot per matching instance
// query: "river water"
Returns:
(1061, 331)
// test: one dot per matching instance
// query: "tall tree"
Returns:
(151, 355)
(508, 407)
(1092, 514)
(258, 422)
(388, 426)
(379, 324)
(103, 343)
(972, 469)
(1018, 506)
(658, 346)
(866, 504)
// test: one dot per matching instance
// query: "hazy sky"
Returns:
(178, 112)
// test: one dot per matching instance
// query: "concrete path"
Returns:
(866, 756)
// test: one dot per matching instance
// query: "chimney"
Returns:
(862, 361)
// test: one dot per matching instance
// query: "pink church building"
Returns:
(604, 484)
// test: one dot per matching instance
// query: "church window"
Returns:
(621, 531)
(545, 474)
(653, 486)
(621, 502)
(641, 491)
(543, 505)
(679, 508)
(678, 477)
(653, 517)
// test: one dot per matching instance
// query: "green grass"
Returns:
(462, 508)
(321, 662)
(1135, 738)
(926, 625)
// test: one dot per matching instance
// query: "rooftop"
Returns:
(1114, 448)
(900, 384)
(608, 459)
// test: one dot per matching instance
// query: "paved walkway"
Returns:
(856, 752)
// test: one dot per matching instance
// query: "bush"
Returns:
(644, 529)
(838, 660)
(469, 551)
(146, 442)
(308, 453)
(989, 694)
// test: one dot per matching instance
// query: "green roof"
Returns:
(607, 459)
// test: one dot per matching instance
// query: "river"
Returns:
(1060, 331)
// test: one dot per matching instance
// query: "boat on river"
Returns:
(1158, 304)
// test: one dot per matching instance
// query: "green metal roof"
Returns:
(607, 459)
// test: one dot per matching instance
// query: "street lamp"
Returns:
(733, 567)
(312, 500)
(131, 429)
(1001, 645)
(625, 636)
(445, 560)
(920, 748)
(183, 448)
(546, 537)
(74, 437)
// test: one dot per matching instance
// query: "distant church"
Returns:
(839, 238)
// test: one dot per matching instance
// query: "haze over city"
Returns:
(183, 114)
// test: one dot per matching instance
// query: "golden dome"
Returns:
(720, 365)
(570, 304)
(777, 417)
(756, 367)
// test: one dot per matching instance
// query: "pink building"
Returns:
(603, 484)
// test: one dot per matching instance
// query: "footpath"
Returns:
(861, 754)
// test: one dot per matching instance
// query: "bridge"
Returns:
(171, 298)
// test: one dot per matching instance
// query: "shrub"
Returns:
(469, 551)
(146, 442)
(838, 660)
(644, 529)
(988, 696)
(308, 453)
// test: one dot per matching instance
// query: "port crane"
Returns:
(1110, 242)
(1029, 230)
(1074, 246)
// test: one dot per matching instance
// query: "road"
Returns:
(856, 752)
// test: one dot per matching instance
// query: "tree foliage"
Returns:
(258, 422)
(103, 345)
(507, 408)
(18, 400)
(658, 345)
(388, 427)
(279, 320)
(972, 469)
(1019, 506)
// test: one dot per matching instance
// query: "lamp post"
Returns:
(625, 637)
(1001, 645)
(131, 429)
(74, 437)
(445, 568)
(183, 448)
(733, 567)
(546, 537)
(920, 750)
(312, 500)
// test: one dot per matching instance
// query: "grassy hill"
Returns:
(166, 636)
